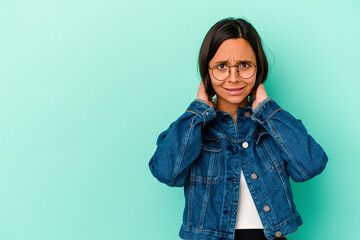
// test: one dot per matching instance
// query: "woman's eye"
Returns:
(244, 65)
(221, 66)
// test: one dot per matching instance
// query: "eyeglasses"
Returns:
(245, 70)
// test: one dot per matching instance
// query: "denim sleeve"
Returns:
(305, 158)
(180, 144)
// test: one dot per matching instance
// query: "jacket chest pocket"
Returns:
(208, 166)
(269, 152)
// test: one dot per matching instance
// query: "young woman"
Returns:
(234, 155)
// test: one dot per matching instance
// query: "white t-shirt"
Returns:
(247, 214)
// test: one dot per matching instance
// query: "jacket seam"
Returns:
(297, 214)
(279, 172)
(215, 180)
(183, 150)
(197, 115)
(261, 214)
(191, 196)
(196, 100)
(262, 106)
(290, 219)
(272, 114)
(282, 144)
(260, 152)
(273, 158)
(208, 187)
(205, 230)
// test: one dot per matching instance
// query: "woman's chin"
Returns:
(236, 99)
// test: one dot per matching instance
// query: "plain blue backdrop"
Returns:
(87, 86)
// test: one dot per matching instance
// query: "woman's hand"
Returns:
(259, 95)
(201, 94)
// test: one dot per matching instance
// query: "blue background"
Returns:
(87, 86)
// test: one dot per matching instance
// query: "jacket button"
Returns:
(253, 176)
(247, 114)
(245, 145)
(266, 208)
(278, 234)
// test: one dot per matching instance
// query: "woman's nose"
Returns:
(233, 74)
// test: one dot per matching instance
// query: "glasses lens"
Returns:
(246, 69)
(220, 72)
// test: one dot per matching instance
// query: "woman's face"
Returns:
(231, 52)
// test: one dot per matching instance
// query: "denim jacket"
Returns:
(204, 151)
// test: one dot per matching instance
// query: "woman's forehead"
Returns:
(235, 50)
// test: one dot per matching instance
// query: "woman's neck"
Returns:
(230, 108)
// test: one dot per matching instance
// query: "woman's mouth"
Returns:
(234, 91)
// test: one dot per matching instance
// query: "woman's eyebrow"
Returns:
(239, 61)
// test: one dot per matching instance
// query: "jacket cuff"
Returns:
(264, 110)
(202, 110)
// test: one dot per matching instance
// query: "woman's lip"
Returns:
(234, 91)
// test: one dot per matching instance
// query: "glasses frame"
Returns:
(237, 69)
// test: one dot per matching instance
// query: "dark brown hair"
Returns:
(224, 29)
